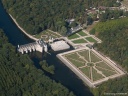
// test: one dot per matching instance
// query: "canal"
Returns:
(62, 74)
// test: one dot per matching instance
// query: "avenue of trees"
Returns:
(19, 76)
(114, 36)
(37, 15)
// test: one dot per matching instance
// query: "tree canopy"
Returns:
(114, 34)
(19, 76)
(37, 15)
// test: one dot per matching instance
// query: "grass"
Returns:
(90, 64)
(76, 63)
(73, 36)
(104, 65)
(106, 72)
(74, 56)
(90, 39)
(82, 33)
(54, 33)
(48, 33)
(86, 71)
(94, 58)
(95, 75)
(77, 59)
(79, 41)
(90, 27)
(85, 54)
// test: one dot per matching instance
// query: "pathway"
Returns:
(30, 36)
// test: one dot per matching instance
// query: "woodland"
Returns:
(38, 15)
(114, 36)
(19, 76)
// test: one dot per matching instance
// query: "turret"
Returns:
(45, 48)
(50, 39)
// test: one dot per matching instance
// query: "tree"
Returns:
(89, 21)
(37, 15)
(63, 30)
(50, 69)
(18, 75)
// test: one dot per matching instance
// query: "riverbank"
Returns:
(16, 37)
(28, 35)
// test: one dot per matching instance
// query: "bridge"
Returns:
(35, 46)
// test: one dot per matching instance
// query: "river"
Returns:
(62, 74)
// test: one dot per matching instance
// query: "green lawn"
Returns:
(54, 33)
(90, 64)
(85, 54)
(106, 72)
(104, 65)
(82, 33)
(48, 33)
(95, 75)
(94, 58)
(76, 63)
(90, 39)
(73, 36)
(75, 56)
(72, 55)
(86, 71)
(81, 58)
(79, 41)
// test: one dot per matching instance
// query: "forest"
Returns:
(114, 36)
(37, 15)
(118, 86)
(17, 72)
(19, 76)
(112, 14)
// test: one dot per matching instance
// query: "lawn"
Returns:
(82, 33)
(104, 65)
(79, 41)
(88, 63)
(94, 58)
(85, 54)
(73, 36)
(76, 62)
(86, 71)
(57, 35)
(95, 75)
(90, 39)
(106, 72)
(48, 33)
(75, 57)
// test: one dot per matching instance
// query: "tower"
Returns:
(45, 48)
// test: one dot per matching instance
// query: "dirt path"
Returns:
(28, 35)
(89, 27)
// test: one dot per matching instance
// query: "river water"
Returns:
(62, 74)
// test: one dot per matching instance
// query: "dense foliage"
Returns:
(114, 87)
(19, 77)
(37, 15)
(50, 69)
(114, 34)
(112, 14)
